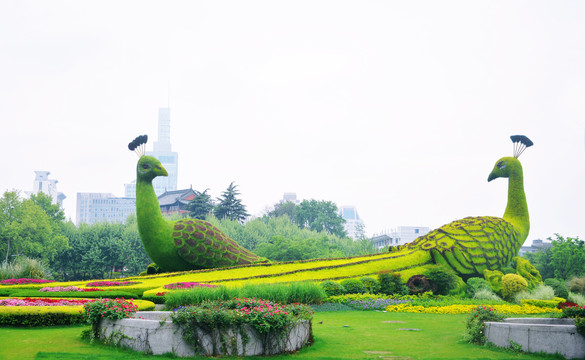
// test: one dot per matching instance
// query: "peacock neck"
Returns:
(148, 214)
(517, 210)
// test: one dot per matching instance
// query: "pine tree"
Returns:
(201, 206)
(229, 206)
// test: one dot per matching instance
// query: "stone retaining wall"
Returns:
(156, 334)
(536, 334)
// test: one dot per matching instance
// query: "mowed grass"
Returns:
(338, 335)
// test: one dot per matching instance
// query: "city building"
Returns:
(399, 236)
(354, 226)
(103, 207)
(290, 196)
(163, 152)
(537, 245)
(175, 202)
(43, 184)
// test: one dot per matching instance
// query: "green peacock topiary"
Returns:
(186, 244)
(474, 244)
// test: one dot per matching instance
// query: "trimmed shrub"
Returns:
(486, 294)
(391, 283)
(441, 278)
(525, 269)
(152, 269)
(576, 298)
(29, 316)
(371, 284)
(512, 284)
(558, 287)
(541, 303)
(475, 323)
(418, 284)
(494, 278)
(577, 285)
(353, 286)
(508, 270)
(541, 292)
(475, 284)
(332, 288)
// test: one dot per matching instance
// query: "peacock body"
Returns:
(473, 244)
(185, 244)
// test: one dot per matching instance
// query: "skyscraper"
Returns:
(354, 226)
(164, 153)
(48, 186)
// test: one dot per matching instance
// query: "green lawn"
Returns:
(341, 335)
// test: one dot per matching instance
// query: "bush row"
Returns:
(28, 316)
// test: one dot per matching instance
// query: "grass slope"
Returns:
(368, 335)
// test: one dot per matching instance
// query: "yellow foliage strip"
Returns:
(464, 309)
(143, 305)
(278, 272)
(72, 310)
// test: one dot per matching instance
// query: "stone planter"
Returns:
(537, 334)
(156, 334)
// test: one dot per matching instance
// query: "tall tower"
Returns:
(163, 152)
(48, 186)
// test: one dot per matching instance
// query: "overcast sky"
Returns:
(398, 108)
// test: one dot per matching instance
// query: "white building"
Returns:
(354, 226)
(399, 236)
(103, 207)
(48, 186)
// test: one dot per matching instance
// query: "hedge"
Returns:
(28, 316)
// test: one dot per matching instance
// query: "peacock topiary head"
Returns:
(505, 167)
(148, 168)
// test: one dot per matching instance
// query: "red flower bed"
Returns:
(43, 302)
(24, 281)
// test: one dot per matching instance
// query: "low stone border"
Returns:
(549, 335)
(156, 334)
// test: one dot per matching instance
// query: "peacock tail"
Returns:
(204, 246)
(468, 246)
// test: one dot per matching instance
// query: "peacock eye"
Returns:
(501, 164)
(145, 166)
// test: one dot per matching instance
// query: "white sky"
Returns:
(398, 108)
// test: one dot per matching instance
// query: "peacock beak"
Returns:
(492, 176)
(161, 171)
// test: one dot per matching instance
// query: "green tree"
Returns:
(26, 229)
(564, 260)
(96, 250)
(287, 208)
(201, 206)
(281, 239)
(568, 257)
(320, 216)
(542, 261)
(229, 206)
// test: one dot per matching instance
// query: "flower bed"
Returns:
(24, 281)
(50, 311)
(43, 302)
(67, 289)
(234, 327)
